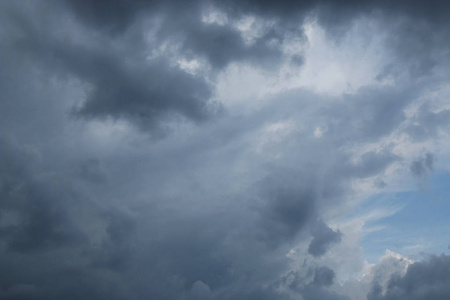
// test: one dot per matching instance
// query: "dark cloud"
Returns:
(324, 276)
(335, 16)
(312, 284)
(323, 238)
(434, 11)
(121, 83)
(120, 79)
(311, 293)
(427, 279)
(113, 17)
(418, 30)
(373, 163)
(149, 92)
(93, 170)
(91, 208)
(288, 207)
(40, 221)
(423, 166)
(119, 14)
(140, 92)
(145, 102)
(221, 44)
(426, 124)
(371, 113)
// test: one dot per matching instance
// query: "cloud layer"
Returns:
(214, 150)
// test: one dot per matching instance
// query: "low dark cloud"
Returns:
(219, 44)
(40, 220)
(46, 251)
(287, 211)
(92, 208)
(324, 276)
(379, 112)
(427, 124)
(341, 13)
(222, 44)
(120, 84)
(323, 238)
(312, 283)
(427, 279)
(423, 166)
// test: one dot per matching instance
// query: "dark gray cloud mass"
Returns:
(121, 82)
(313, 283)
(428, 279)
(93, 206)
(423, 166)
(323, 237)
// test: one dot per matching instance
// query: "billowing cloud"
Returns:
(323, 237)
(427, 279)
(215, 149)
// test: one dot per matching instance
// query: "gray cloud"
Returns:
(323, 238)
(40, 222)
(90, 207)
(221, 44)
(135, 89)
(428, 279)
(421, 167)
(426, 124)
(47, 252)
(324, 276)
(142, 91)
(312, 284)
(418, 30)
(288, 209)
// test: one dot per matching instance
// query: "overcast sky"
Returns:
(224, 150)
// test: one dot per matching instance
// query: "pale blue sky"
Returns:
(421, 225)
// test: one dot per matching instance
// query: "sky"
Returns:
(218, 150)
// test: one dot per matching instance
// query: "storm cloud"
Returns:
(423, 280)
(214, 149)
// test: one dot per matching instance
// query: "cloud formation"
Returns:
(212, 150)
(323, 237)
(423, 166)
(423, 280)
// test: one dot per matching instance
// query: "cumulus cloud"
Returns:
(323, 237)
(427, 279)
(132, 165)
